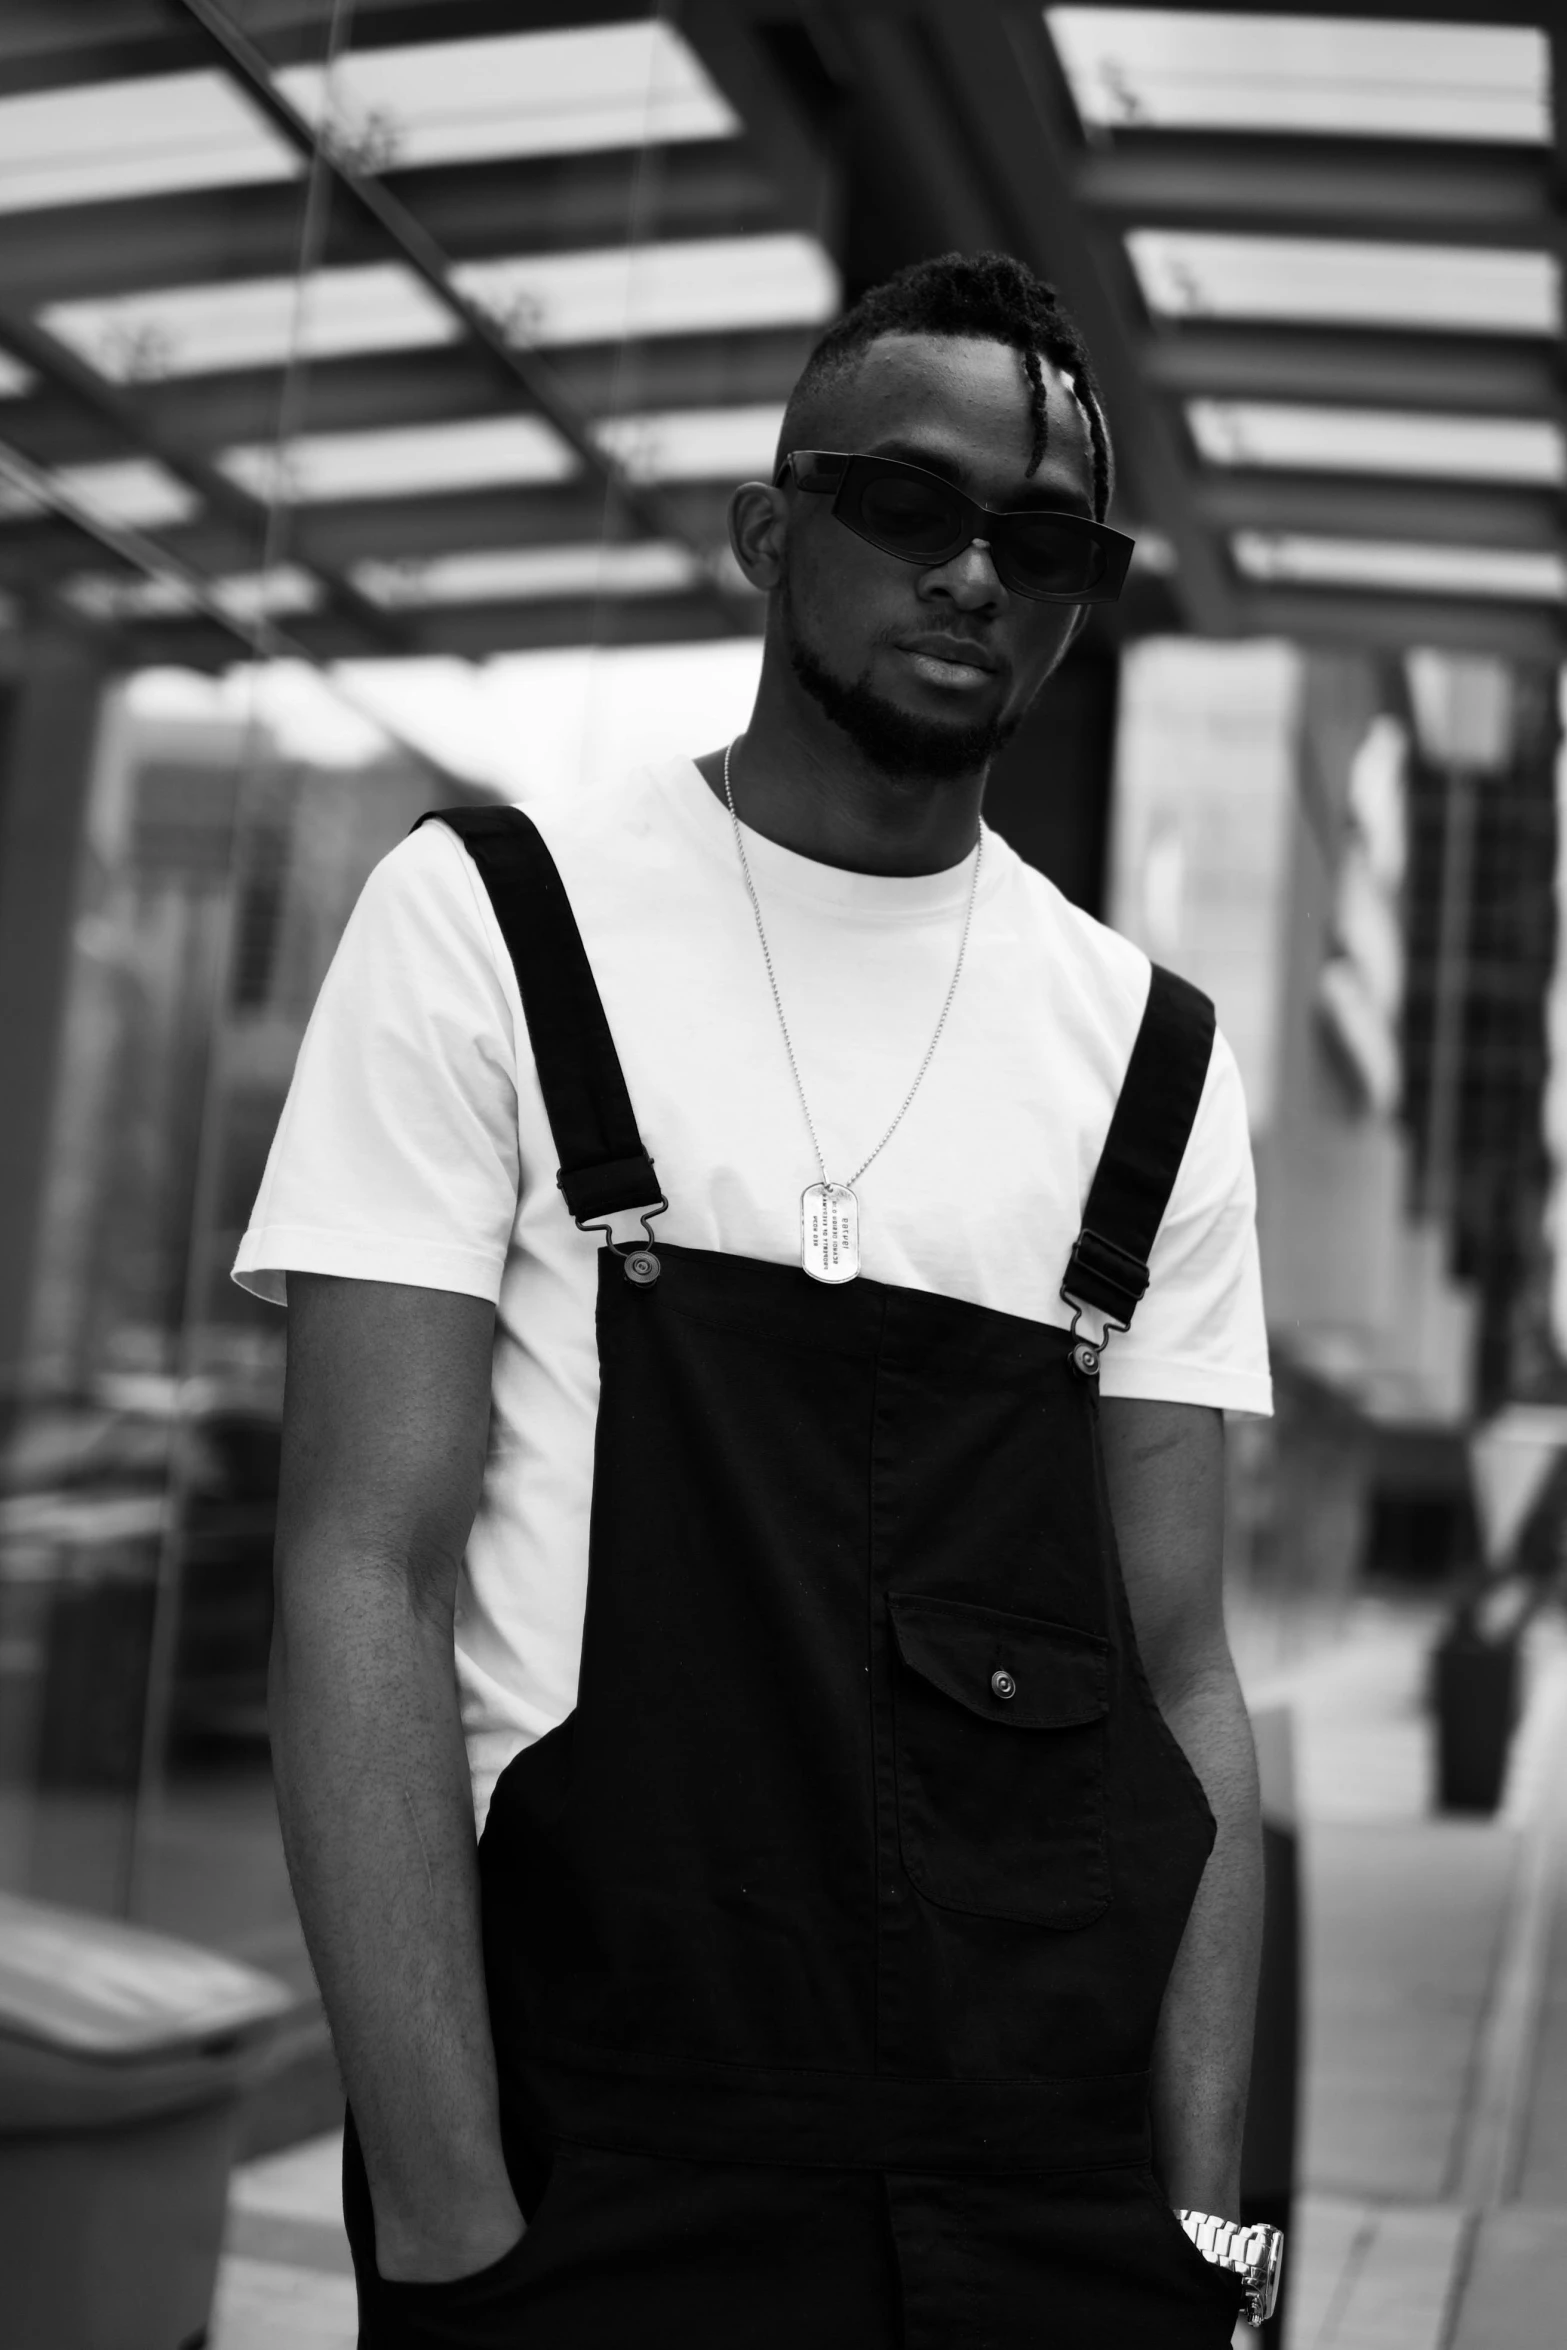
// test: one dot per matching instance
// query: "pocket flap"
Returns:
(1017, 1671)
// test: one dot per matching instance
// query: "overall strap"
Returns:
(603, 1165)
(1108, 1267)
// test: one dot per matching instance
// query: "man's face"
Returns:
(931, 668)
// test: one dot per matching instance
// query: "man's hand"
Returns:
(1164, 1464)
(386, 1420)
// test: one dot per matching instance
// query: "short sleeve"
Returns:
(1199, 1335)
(396, 1156)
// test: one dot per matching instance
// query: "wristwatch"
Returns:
(1255, 2254)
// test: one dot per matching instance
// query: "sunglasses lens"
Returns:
(1048, 558)
(907, 516)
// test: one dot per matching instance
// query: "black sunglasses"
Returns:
(921, 518)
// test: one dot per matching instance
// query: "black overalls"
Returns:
(826, 1939)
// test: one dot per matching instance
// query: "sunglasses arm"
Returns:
(812, 469)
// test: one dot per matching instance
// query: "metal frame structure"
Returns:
(888, 128)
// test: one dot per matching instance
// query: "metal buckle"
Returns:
(642, 1267)
(1087, 1354)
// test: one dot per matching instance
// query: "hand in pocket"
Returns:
(477, 2312)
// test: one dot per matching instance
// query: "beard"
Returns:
(898, 742)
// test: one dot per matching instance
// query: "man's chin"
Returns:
(943, 745)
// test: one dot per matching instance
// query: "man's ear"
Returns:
(758, 516)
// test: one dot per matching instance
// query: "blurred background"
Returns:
(373, 376)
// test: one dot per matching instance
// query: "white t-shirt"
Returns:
(414, 1145)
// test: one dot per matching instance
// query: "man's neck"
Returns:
(799, 780)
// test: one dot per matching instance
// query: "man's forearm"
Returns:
(377, 1822)
(1202, 2058)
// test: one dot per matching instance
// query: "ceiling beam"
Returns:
(1375, 506)
(474, 212)
(54, 44)
(559, 515)
(782, 121)
(999, 68)
(469, 631)
(1406, 190)
(210, 413)
(476, 629)
(1465, 374)
(383, 530)
(1336, 616)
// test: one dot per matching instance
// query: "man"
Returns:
(861, 1944)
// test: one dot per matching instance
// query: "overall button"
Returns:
(642, 1268)
(1002, 1685)
(1085, 1360)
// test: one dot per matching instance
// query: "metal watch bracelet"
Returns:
(1255, 2253)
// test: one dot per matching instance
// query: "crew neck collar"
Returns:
(782, 873)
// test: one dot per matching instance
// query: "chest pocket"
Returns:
(1000, 1729)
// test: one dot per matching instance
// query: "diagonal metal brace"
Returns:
(642, 502)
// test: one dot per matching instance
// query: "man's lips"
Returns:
(949, 660)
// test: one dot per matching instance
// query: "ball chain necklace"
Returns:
(830, 1212)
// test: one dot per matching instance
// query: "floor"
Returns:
(1434, 2215)
(1434, 2212)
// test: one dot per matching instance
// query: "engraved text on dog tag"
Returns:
(830, 1232)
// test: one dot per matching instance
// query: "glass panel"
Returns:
(412, 461)
(1377, 440)
(284, 589)
(1177, 69)
(145, 137)
(659, 289)
(133, 490)
(697, 444)
(519, 94)
(201, 330)
(224, 823)
(1458, 289)
(1440, 571)
(681, 288)
(505, 574)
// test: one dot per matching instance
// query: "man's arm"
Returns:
(385, 1424)
(1164, 1463)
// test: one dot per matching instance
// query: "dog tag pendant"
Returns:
(830, 1232)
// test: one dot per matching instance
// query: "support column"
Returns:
(48, 737)
(1049, 792)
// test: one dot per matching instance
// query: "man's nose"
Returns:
(969, 578)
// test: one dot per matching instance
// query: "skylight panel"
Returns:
(256, 322)
(404, 462)
(136, 491)
(682, 287)
(251, 595)
(1304, 561)
(696, 444)
(1379, 440)
(152, 135)
(1329, 281)
(1174, 69)
(597, 296)
(541, 93)
(504, 575)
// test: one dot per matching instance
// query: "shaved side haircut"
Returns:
(989, 296)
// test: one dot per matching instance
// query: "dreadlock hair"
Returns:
(987, 295)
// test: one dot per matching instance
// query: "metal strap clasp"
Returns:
(639, 1258)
